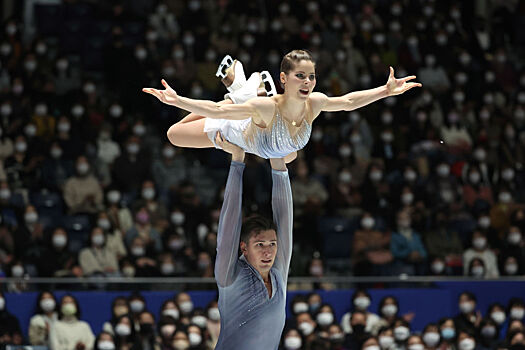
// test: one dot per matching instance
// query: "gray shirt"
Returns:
(250, 319)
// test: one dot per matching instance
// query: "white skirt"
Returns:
(231, 130)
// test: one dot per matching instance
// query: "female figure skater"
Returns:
(270, 127)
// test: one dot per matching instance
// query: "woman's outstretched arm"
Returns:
(254, 108)
(358, 99)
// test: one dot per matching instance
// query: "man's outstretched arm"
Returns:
(230, 221)
(282, 206)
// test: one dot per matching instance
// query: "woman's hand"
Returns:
(398, 86)
(236, 152)
(167, 96)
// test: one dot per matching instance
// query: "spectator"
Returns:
(443, 242)
(480, 250)
(360, 301)
(466, 340)
(144, 229)
(170, 170)
(325, 317)
(43, 319)
(488, 334)
(119, 307)
(467, 319)
(98, 259)
(213, 326)
(401, 334)
(292, 339)
(119, 215)
(415, 342)
(385, 338)
(124, 332)
(146, 338)
(104, 341)
(358, 336)
(8, 322)
(57, 260)
(447, 329)
(69, 331)
(158, 212)
(306, 325)
(114, 241)
(406, 246)
(371, 254)
(83, 193)
(167, 327)
(430, 336)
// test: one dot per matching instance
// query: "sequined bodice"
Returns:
(275, 141)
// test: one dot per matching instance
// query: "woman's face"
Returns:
(105, 336)
(301, 80)
(448, 324)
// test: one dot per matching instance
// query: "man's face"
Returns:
(261, 250)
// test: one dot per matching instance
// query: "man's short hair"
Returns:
(253, 225)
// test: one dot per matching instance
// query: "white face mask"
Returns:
(511, 268)
(467, 344)
(498, 317)
(478, 271)
(82, 168)
(123, 329)
(466, 307)
(59, 241)
(306, 328)
(292, 343)
(148, 193)
(98, 240)
(17, 271)
(386, 342)
(104, 223)
(199, 321)
(113, 196)
(416, 347)
(325, 318)
(484, 221)
(31, 218)
(517, 313)
(2, 304)
(389, 310)
(367, 222)
(5, 193)
(479, 243)
(300, 307)
(47, 305)
(372, 347)
(438, 267)
(214, 314)
(401, 333)
(431, 339)
(195, 339)
(136, 306)
(171, 312)
(106, 345)
(186, 307)
(362, 302)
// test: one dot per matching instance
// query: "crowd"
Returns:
(58, 324)
(431, 182)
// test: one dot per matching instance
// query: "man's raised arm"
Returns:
(230, 221)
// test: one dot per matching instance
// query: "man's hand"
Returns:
(167, 96)
(398, 86)
(236, 152)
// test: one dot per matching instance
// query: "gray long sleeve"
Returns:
(282, 207)
(229, 230)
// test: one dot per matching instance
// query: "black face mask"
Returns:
(359, 329)
(146, 328)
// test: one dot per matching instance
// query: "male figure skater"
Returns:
(252, 287)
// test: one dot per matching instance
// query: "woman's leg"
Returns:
(189, 131)
(190, 134)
